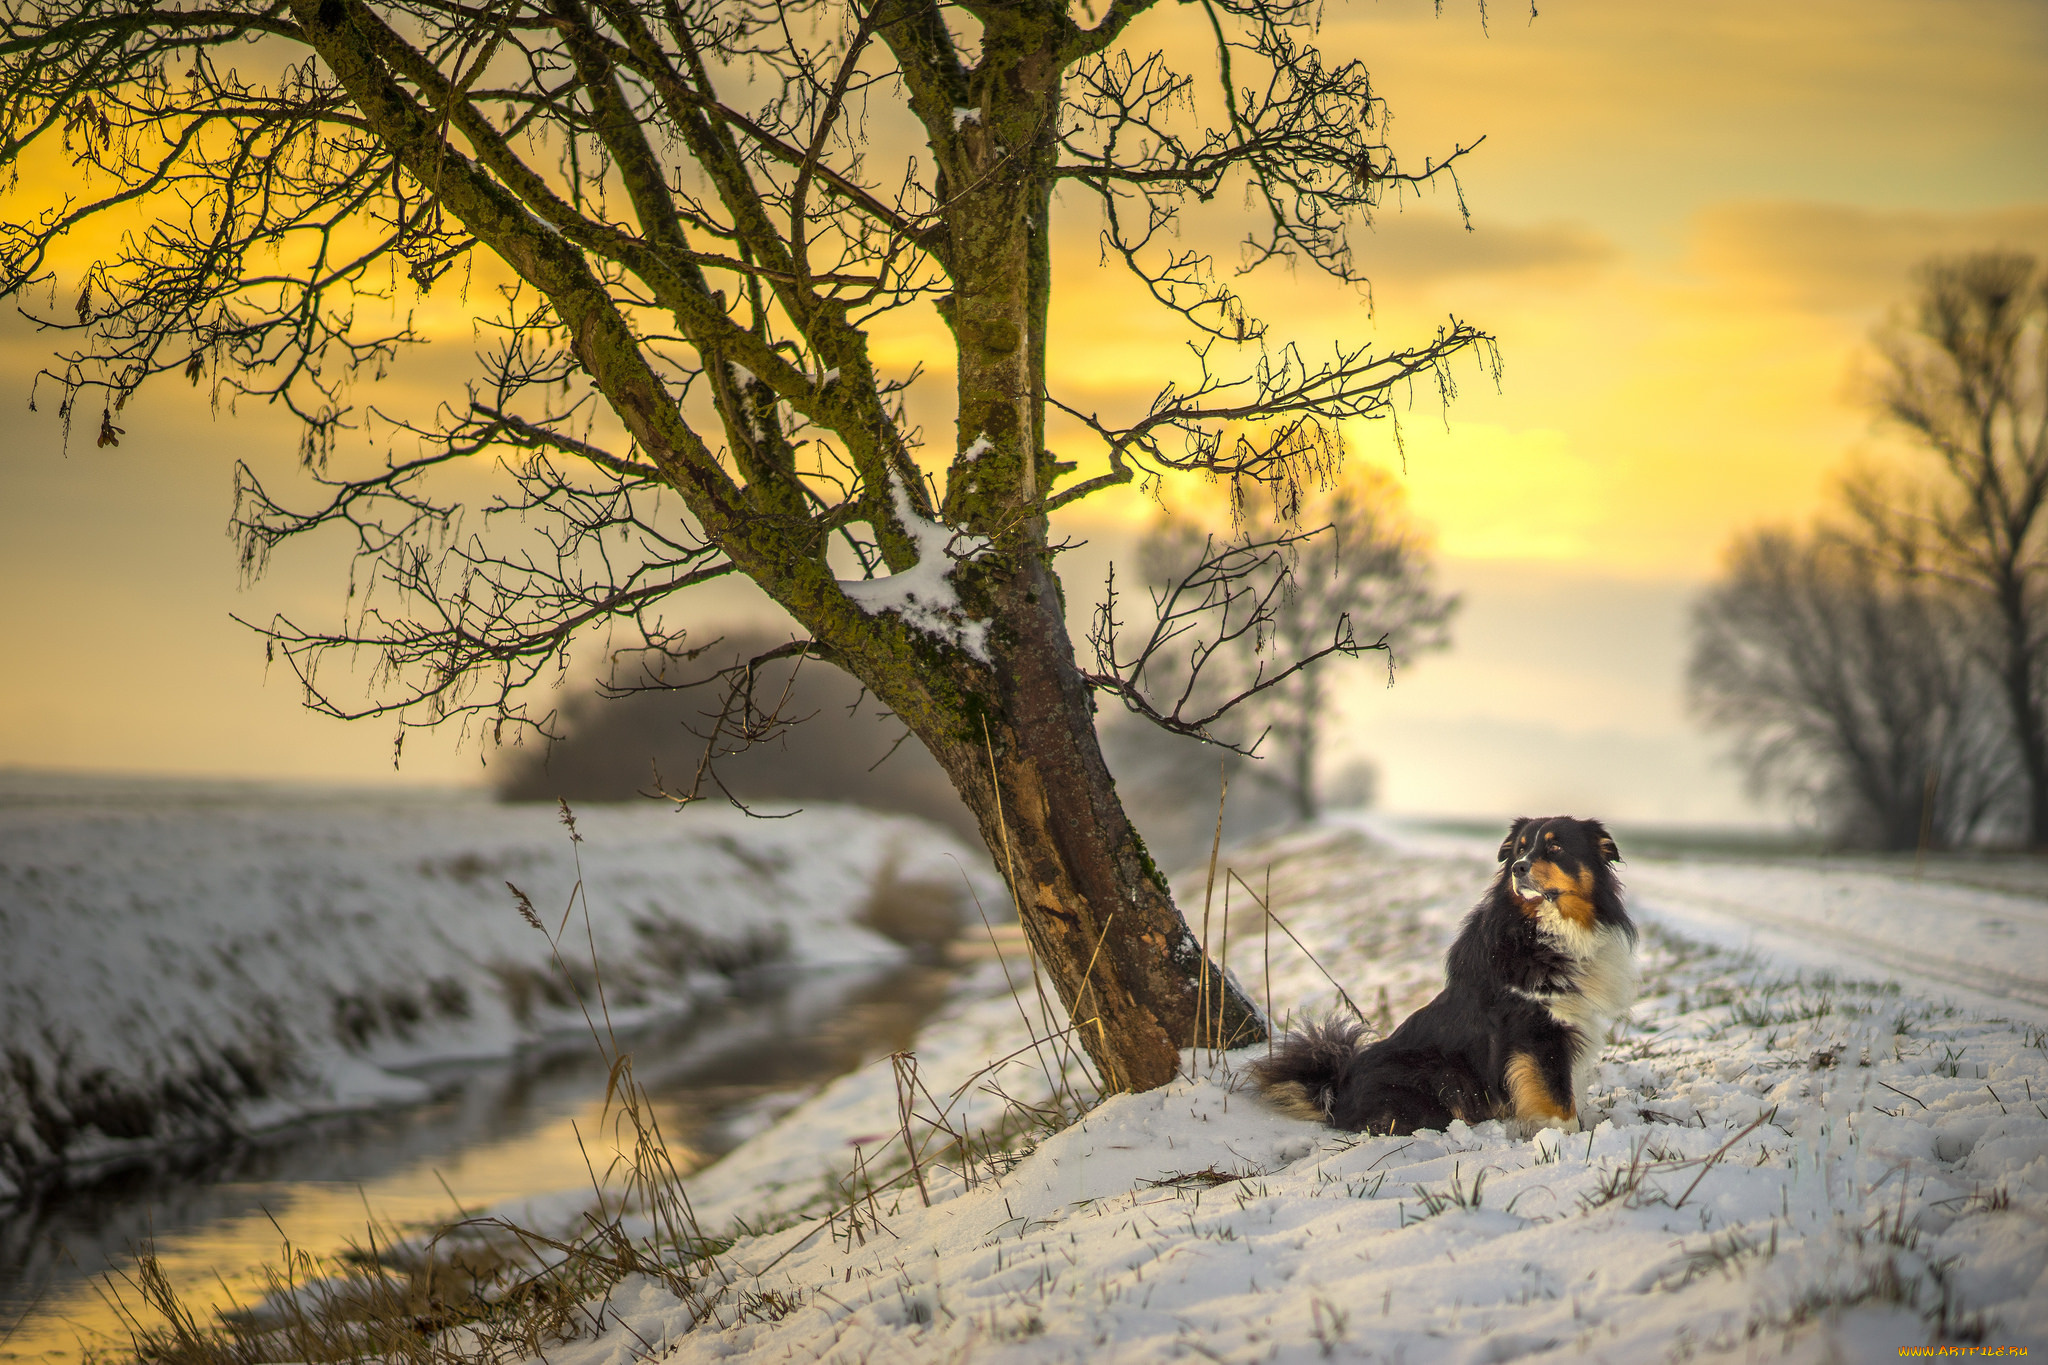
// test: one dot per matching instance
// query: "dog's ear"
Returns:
(1603, 841)
(1507, 845)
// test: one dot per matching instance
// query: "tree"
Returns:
(1851, 684)
(840, 744)
(1361, 574)
(1965, 377)
(691, 235)
(1171, 784)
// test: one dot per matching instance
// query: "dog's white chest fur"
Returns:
(1604, 974)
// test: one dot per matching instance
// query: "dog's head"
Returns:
(1563, 862)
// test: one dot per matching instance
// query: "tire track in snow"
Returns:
(1910, 931)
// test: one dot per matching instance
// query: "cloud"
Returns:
(1430, 246)
(1844, 258)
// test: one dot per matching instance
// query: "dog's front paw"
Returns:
(1549, 1141)
(1536, 1128)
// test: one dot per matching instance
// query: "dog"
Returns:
(1540, 971)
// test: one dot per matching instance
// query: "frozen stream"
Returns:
(494, 1134)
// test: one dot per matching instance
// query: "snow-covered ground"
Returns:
(1785, 1163)
(181, 964)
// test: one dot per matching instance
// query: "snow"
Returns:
(982, 446)
(1983, 946)
(1780, 1165)
(176, 969)
(962, 117)
(922, 595)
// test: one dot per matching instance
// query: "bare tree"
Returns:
(837, 743)
(1965, 376)
(687, 218)
(1853, 685)
(1360, 580)
(1171, 783)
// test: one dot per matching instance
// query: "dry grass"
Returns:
(924, 916)
(381, 1301)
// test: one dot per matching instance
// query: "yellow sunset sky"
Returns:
(1686, 221)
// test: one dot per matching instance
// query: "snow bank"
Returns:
(174, 971)
(1780, 1167)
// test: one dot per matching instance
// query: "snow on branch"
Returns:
(923, 595)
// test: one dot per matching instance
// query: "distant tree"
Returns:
(674, 228)
(1358, 573)
(1170, 783)
(832, 742)
(1965, 377)
(1853, 685)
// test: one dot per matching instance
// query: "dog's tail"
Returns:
(1300, 1077)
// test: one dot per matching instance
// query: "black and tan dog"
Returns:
(1543, 967)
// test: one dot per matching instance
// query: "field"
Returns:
(1823, 1136)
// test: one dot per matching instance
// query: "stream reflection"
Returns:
(499, 1132)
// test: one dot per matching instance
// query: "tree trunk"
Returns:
(1306, 725)
(1096, 909)
(2025, 706)
(1018, 740)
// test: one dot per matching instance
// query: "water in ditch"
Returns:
(496, 1133)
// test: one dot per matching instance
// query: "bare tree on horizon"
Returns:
(1965, 377)
(1850, 685)
(1361, 569)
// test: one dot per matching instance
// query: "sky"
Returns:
(1686, 221)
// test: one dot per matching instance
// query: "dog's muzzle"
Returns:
(1525, 886)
